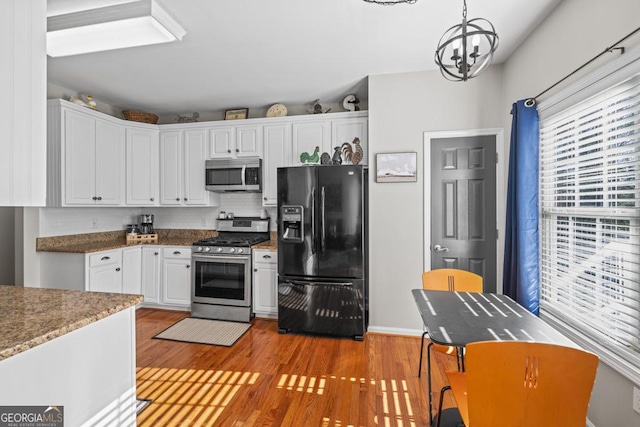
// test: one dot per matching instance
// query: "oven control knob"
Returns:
(199, 249)
(207, 249)
(239, 250)
(232, 250)
(218, 249)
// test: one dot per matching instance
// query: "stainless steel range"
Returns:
(221, 277)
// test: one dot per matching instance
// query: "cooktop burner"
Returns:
(232, 241)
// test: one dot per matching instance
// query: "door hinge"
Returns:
(496, 157)
(497, 234)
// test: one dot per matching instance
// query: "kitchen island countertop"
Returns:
(33, 316)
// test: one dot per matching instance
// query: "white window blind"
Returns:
(590, 217)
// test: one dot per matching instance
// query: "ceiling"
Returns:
(254, 53)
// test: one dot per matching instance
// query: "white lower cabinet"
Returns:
(151, 274)
(105, 272)
(265, 283)
(176, 276)
(132, 270)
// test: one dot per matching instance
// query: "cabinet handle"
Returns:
(265, 198)
(255, 269)
(266, 256)
(151, 199)
(177, 199)
(188, 266)
(177, 253)
(228, 151)
(237, 150)
(99, 198)
(118, 269)
(185, 199)
(155, 253)
(104, 258)
(94, 198)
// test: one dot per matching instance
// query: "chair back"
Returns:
(516, 383)
(451, 279)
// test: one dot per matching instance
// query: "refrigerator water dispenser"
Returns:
(292, 226)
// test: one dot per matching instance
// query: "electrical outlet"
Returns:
(204, 221)
(94, 223)
(636, 399)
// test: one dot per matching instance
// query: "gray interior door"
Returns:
(463, 205)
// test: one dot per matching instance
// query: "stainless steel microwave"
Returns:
(234, 175)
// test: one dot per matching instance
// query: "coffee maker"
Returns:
(146, 224)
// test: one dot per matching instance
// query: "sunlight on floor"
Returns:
(187, 396)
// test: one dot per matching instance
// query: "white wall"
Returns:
(576, 31)
(401, 108)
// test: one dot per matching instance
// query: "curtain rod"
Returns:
(607, 50)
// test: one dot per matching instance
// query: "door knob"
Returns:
(438, 248)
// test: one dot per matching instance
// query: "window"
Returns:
(590, 218)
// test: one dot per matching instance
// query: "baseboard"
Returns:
(590, 424)
(394, 331)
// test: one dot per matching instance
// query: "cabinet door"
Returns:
(195, 152)
(265, 281)
(109, 164)
(106, 278)
(143, 161)
(151, 274)
(347, 130)
(176, 276)
(222, 143)
(248, 141)
(132, 270)
(312, 139)
(276, 153)
(79, 159)
(171, 168)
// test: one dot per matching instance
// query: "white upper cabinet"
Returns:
(276, 153)
(143, 160)
(353, 132)
(310, 140)
(23, 72)
(182, 157)
(230, 142)
(86, 158)
(94, 155)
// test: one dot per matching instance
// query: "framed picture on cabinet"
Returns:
(396, 167)
(236, 114)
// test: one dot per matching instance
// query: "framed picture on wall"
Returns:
(396, 167)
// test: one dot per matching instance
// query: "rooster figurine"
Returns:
(310, 158)
(357, 155)
(336, 159)
(347, 152)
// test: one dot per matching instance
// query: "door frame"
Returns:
(501, 191)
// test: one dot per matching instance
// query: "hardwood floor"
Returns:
(268, 379)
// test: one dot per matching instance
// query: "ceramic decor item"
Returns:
(310, 158)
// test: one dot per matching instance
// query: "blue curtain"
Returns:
(521, 278)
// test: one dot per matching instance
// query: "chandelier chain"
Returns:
(464, 9)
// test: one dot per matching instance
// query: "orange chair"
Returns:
(445, 279)
(524, 384)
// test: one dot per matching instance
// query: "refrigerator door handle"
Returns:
(322, 231)
(313, 220)
(300, 283)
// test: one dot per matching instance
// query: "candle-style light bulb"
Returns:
(475, 42)
(456, 47)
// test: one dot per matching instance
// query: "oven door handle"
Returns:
(315, 283)
(244, 175)
(214, 258)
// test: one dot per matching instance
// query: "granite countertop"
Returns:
(271, 245)
(33, 316)
(96, 242)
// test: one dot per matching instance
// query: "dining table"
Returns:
(456, 319)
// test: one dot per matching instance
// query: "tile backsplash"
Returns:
(65, 221)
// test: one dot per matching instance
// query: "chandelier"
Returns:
(465, 50)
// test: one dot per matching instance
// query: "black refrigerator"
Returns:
(322, 250)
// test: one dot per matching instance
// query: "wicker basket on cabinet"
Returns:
(138, 116)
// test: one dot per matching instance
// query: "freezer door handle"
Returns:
(322, 231)
(313, 220)
(299, 283)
